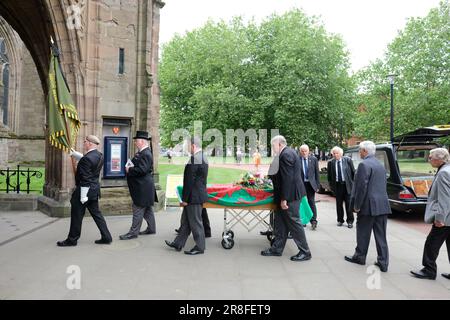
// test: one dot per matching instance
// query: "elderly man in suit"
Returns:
(193, 197)
(288, 192)
(341, 173)
(86, 193)
(370, 201)
(437, 212)
(142, 188)
(311, 179)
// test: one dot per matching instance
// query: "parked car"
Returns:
(409, 175)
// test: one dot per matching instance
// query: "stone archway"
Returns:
(90, 34)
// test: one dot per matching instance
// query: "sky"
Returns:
(367, 26)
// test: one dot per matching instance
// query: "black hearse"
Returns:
(409, 175)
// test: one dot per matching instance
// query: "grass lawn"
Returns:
(215, 175)
(215, 160)
(415, 166)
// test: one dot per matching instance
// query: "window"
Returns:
(4, 82)
(380, 155)
(121, 60)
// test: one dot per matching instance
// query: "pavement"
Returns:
(33, 267)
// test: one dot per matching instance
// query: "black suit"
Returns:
(313, 183)
(343, 188)
(195, 195)
(142, 191)
(288, 186)
(87, 175)
(369, 196)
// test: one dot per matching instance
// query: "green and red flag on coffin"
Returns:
(63, 121)
(229, 195)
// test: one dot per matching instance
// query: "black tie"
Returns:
(339, 171)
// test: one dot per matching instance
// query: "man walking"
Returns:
(311, 179)
(341, 173)
(86, 193)
(142, 188)
(288, 192)
(437, 212)
(370, 201)
(193, 197)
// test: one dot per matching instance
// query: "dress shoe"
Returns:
(421, 274)
(301, 256)
(446, 275)
(172, 245)
(147, 232)
(265, 233)
(382, 269)
(66, 243)
(353, 260)
(103, 241)
(304, 226)
(207, 235)
(194, 251)
(269, 252)
(314, 225)
(177, 230)
(339, 224)
(350, 225)
(127, 236)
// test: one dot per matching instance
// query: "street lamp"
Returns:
(391, 78)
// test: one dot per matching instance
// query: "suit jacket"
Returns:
(287, 180)
(438, 205)
(348, 171)
(194, 180)
(140, 179)
(88, 173)
(369, 189)
(313, 172)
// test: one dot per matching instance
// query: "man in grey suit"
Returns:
(370, 201)
(193, 197)
(311, 179)
(341, 173)
(437, 212)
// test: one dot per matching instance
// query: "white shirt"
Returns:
(339, 162)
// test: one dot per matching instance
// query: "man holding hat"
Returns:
(142, 187)
(86, 193)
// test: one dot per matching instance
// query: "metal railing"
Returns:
(14, 179)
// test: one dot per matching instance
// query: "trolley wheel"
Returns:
(228, 244)
(229, 233)
(270, 236)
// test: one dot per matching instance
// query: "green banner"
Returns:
(63, 121)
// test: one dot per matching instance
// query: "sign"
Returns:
(115, 157)
(173, 181)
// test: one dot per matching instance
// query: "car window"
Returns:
(414, 163)
(380, 155)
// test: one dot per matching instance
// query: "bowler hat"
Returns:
(142, 135)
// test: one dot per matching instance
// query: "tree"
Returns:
(420, 56)
(286, 73)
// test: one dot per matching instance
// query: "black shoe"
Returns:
(269, 253)
(314, 225)
(172, 245)
(446, 275)
(146, 232)
(421, 274)
(177, 230)
(265, 233)
(301, 256)
(304, 226)
(194, 251)
(127, 236)
(66, 243)
(103, 241)
(207, 235)
(353, 260)
(382, 269)
(339, 224)
(350, 225)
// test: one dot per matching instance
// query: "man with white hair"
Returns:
(437, 212)
(288, 193)
(341, 173)
(370, 201)
(311, 179)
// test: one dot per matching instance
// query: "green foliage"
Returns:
(286, 73)
(420, 57)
